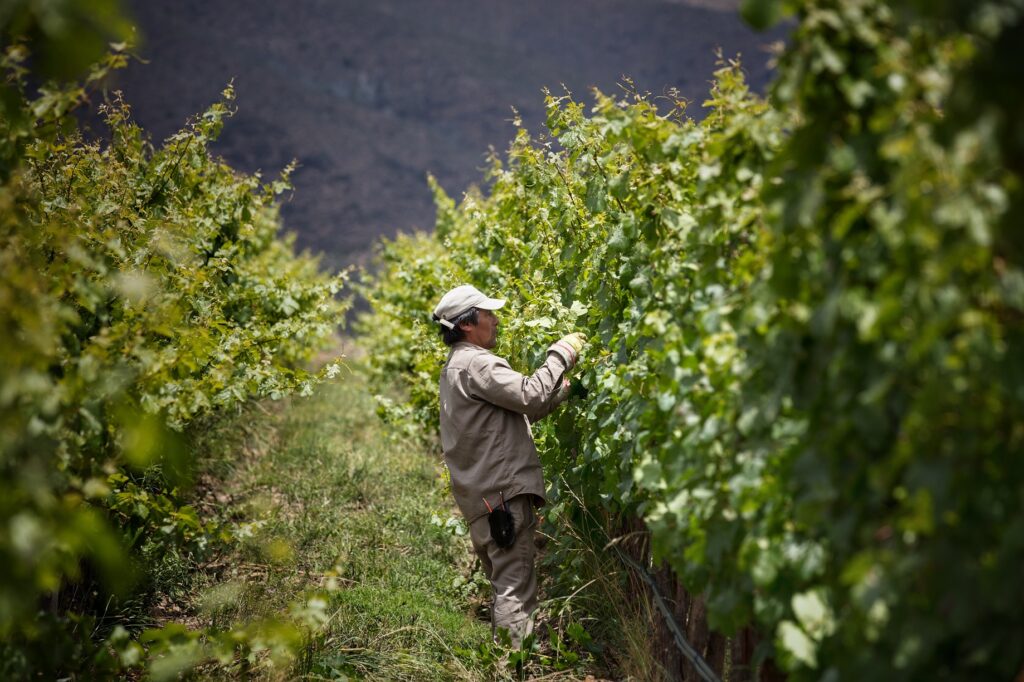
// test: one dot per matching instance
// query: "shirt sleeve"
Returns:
(492, 379)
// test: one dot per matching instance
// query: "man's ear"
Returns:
(465, 326)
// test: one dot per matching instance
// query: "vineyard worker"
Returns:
(486, 410)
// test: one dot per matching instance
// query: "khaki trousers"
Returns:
(511, 571)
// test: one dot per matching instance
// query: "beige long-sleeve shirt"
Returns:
(486, 410)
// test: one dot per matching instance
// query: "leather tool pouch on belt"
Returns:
(503, 526)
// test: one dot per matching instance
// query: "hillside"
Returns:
(370, 97)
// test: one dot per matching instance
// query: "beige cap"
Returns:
(459, 300)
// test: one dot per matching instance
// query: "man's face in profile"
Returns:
(485, 332)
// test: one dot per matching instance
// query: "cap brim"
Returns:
(490, 303)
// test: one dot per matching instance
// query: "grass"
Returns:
(337, 503)
(342, 507)
(593, 588)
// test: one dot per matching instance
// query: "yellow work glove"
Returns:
(569, 347)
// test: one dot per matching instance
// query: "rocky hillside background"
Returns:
(370, 96)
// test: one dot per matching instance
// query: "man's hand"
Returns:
(569, 390)
(569, 347)
(564, 391)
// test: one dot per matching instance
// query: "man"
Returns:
(486, 410)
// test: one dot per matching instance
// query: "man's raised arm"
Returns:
(535, 396)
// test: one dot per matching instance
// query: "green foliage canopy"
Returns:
(143, 290)
(806, 317)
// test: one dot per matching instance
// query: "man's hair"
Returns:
(455, 334)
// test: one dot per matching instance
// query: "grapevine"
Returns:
(145, 291)
(805, 315)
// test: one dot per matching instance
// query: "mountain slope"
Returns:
(369, 97)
